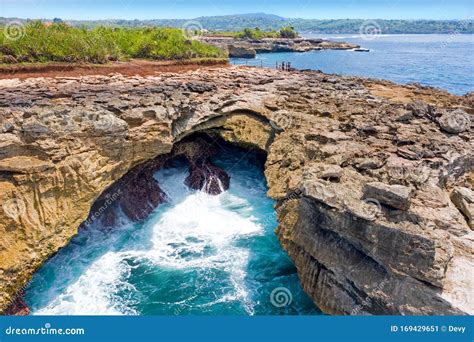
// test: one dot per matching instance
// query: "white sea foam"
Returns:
(92, 293)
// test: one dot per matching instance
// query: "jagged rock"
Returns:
(456, 121)
(324, 171)
(143, 195)
(200, 87)
(203, 175)
(396, 196)
(69, 144)
(133, 117)
(463, 199)
(137, 194)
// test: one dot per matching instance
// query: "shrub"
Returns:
(288, 32)
(59, 42)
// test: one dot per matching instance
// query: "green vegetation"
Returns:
(255, 33)
(269, 22)
(59, 42)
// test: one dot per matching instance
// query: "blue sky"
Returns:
(317, 9)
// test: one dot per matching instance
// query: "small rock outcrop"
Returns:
(208, 178)
(332, 143)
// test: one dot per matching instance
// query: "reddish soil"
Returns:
(130, 68)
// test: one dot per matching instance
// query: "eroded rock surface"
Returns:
(65, 141)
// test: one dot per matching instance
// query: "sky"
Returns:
(170, 9)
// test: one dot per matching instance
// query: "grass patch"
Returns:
(61, 43)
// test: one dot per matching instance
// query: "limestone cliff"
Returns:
(373, 180)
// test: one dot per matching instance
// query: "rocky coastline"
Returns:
(248, 48)
(373, 180)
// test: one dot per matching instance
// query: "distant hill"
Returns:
(272, 22)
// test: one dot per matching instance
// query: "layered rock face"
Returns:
(373, 181)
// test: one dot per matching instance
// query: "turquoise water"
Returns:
(438, 60)
(197, 254)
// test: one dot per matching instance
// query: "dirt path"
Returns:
(130, 68)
